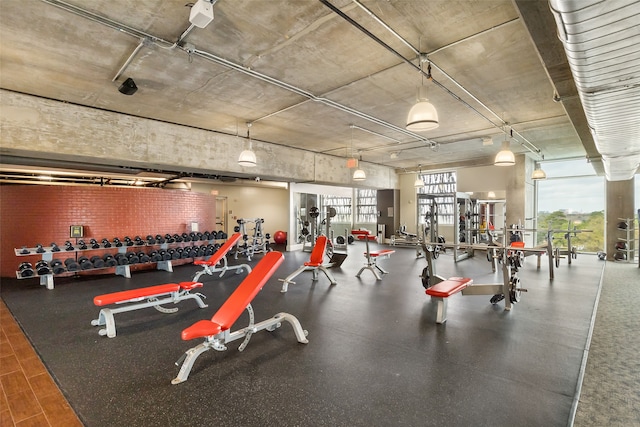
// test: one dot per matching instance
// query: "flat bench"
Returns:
(216, 331)
(373, 257)
(443, 290)
(220, 256)
(136, 299)
(363, 235)
(314, 264)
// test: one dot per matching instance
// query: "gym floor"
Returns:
(375, 354)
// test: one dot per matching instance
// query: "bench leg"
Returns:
(289, 279)
(373, 270)
(105, 318)
(441, 315)
(189, 358)
(327, 273)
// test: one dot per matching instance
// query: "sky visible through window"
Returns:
(573, 186)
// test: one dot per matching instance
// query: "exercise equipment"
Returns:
(24, 251)
(314, 264)
(106, 243)
(68, 246)
(94, 244)
(54, 247)
(40, 249)
(82, 245)
(57, 266)
(211, 265)
(97, 261)
(25, 269)
(216, 332)
(373, 257)
(254, 243)
(154, 296)
(510, 290)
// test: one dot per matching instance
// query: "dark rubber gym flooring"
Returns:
(375, 354)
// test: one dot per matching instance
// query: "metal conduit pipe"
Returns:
(283, 85)
(534, 150)
(221, 61)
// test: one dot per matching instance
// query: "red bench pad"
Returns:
(449, 287)
(363, 234)
(381, 252)
(220, 253)
(140, 293)
(233, 307)
(317, 254)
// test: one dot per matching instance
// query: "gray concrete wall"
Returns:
(46, 129)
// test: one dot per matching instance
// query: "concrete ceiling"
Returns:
(330, 76)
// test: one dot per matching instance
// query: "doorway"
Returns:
(222, 214)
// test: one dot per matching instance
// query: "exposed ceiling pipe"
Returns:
(224, 62)
(530, 146)
(308, 95)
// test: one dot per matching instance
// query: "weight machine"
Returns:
(254, 243)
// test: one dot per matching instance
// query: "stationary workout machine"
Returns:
(256, 242)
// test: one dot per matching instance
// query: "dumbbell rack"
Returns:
(627, 240)
(120, 270)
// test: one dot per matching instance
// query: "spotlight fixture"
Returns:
(201, 13)
(505, 157)
(248, 157)
(128, 87)
(423, 115)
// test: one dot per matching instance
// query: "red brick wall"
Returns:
(32, 214)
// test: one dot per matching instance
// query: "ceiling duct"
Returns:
(602, 43)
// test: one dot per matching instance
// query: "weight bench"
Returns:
(443, 290)
(155, 296)
(363, 235)
(372, 259)
(209, 265)
(216, 331)
(314, 264)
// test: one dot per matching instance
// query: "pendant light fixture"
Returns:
(538, 173)
(505, 157)
(423, 115)
(248, 157)
(419, 183)
(358, 174)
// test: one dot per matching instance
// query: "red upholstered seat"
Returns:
(317, 254)
(233, 307)
(203, 328)
(136, 294)
(187, 286)
(517, 244)
(449, 287)
(381, 252)
(220, 253)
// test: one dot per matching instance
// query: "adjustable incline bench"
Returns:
(373, 256)
(135, 300)
(443, 290)
(209, 266)
(216, 331)
(314, 264)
